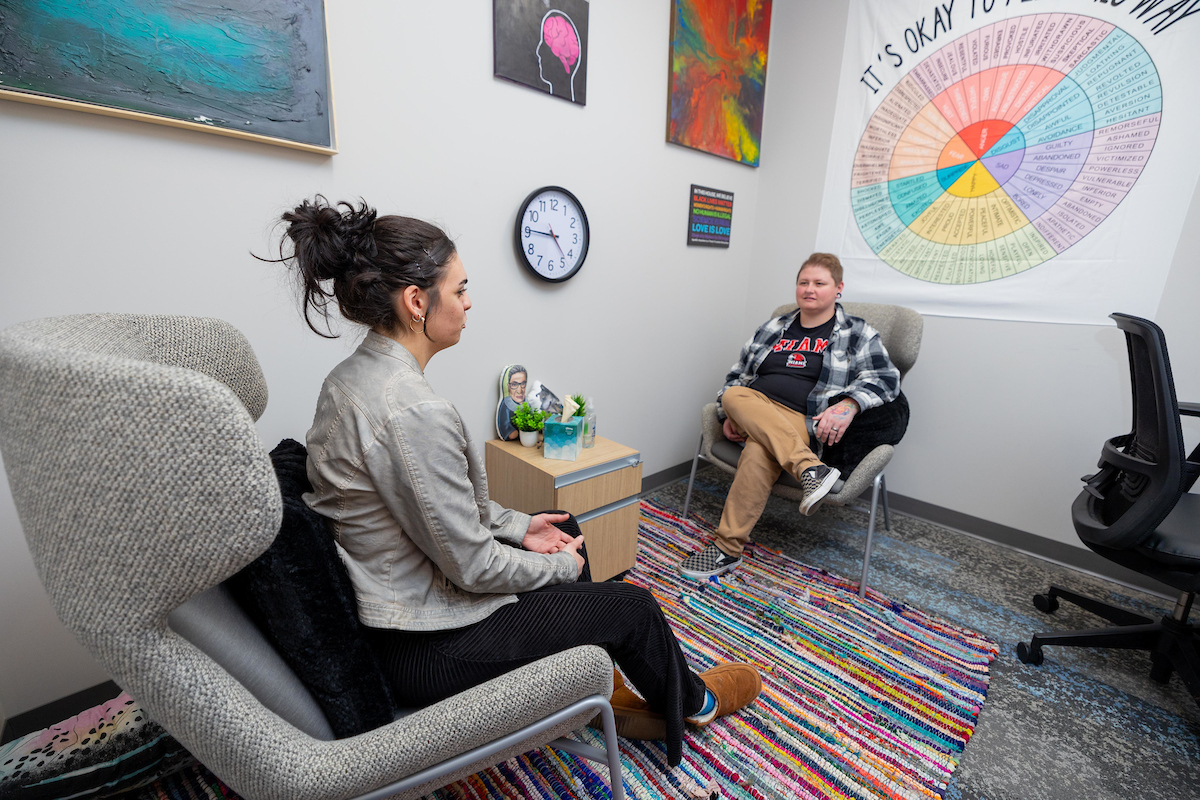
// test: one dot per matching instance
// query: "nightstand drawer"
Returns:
(601, 490)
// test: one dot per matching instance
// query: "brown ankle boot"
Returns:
(734, 685)
(633, 716)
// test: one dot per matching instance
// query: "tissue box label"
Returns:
(564, 440)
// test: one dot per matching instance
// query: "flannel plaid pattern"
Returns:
(856, 364)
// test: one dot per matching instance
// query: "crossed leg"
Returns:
(776, 440)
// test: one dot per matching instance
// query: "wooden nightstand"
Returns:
(600, 489)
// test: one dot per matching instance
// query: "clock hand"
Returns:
(556, 244)
(541, 233)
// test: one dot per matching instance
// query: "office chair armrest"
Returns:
(1189, 409)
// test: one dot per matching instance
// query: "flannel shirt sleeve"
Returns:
(876, 379)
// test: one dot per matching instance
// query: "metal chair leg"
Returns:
(862, 583)
(887, 521)
(611, 752)
(688, 500)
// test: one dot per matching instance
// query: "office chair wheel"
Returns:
(1029, 654)
(1045, 603)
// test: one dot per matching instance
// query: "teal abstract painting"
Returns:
(250, 68)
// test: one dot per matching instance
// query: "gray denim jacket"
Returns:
(393, 467)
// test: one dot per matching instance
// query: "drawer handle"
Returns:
(600, 469)
(602, 510)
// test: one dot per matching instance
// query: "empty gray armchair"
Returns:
(141, 486)
(900, 329)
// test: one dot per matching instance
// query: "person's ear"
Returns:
(413, 302)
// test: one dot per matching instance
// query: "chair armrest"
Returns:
(863, 475)
(349, 767)
(1190, 409)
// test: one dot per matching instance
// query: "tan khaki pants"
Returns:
(776, 439)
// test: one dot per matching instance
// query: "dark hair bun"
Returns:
(330, 241)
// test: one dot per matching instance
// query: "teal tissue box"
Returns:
(563, 440)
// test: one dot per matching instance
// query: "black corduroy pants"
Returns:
(425, 667)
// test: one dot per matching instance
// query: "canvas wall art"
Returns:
(542, 44)
(718, 76)
(248, 68)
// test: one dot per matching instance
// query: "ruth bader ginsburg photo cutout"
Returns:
(513, 382)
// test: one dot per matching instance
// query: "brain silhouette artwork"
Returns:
(560, 37)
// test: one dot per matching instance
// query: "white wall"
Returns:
(107, 215)
(99, 214)
(1006, 416)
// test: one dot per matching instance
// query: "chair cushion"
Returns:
(299, 594)
(883, 424)
(215, 623)
(1170, 554)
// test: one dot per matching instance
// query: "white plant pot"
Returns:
(529, 438)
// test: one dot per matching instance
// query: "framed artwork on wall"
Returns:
(718, 76)
(252, 69)
(542, 44)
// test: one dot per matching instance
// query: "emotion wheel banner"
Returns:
(997, 151)
(1008, 165)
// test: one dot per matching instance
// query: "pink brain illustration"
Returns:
(561, 39)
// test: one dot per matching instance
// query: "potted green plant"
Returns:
(529, 421)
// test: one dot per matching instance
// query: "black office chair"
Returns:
(1136, 511)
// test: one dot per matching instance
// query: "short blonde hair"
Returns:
(827, 260)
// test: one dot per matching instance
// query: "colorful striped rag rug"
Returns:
(862, 698)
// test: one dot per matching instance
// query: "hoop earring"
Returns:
(417, 319)
(839, 295)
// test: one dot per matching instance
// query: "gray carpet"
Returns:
(1087, 723)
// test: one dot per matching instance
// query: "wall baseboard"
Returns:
(1029, 543)
(666, 476)
(56, 711)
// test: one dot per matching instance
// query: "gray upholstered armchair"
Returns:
(141, 485)
(900, 328)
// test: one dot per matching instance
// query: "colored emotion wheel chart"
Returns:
(1005, 147)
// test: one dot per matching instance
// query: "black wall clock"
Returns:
(552, 233)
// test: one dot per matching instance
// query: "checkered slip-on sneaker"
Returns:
(816, 482)
(704, 564)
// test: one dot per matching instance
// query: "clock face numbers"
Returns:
(552, 233)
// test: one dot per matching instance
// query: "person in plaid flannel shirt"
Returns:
(805, 375)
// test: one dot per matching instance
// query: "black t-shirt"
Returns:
(793, 367)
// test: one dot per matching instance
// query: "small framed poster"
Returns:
(710, 214)
(542, 44)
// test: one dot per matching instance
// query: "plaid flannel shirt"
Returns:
(856, 364)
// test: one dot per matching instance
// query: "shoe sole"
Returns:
(703, 576)
(813, 501)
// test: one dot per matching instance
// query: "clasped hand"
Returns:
(543, 537)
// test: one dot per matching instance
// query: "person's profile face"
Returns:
(516, 386)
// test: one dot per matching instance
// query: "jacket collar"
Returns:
(390, 347)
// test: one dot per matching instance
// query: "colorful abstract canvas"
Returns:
(542, 44)
(719, 76)
(247, 68)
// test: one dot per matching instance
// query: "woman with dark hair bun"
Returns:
(453, 588)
